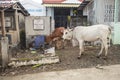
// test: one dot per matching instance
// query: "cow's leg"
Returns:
(102, 47)
(81, 48)
(108, 41)
(106, 47)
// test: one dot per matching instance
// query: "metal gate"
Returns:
(60, 21)
(78, 21)
(74, 21)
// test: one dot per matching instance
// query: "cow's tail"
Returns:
(109, 36)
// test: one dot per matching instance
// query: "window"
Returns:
(8, 22)
(109, 13)
(38, 24)
(109, 10)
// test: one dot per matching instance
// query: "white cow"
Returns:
(91, 33)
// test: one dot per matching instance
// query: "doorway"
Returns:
(60, 16)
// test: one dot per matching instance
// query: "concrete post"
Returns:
(4, 42)
(4, 51)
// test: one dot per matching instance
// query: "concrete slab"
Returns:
(100, 73)
(41, 60)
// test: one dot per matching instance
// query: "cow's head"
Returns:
(67, 34)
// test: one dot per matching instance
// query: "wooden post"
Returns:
(17, 26)
(3, 24)
(4, 42)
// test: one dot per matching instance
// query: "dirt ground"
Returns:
(68, 60)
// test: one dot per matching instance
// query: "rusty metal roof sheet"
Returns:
(62, 3)
(5, 5)
(8, 6)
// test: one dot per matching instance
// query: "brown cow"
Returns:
(55, 37)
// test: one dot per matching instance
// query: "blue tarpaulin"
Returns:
(39, 41)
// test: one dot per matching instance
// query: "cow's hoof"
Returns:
(82, 54)
(98, 56)
(60, 61)
(78, 57)
(105, 58)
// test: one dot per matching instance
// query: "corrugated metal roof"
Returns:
(52, 1)
(83, 4)
(72, 1)
(5, 5)
(61, 5)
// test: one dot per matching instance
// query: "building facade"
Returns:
(60, 10)
(104, 12)
(100, 11)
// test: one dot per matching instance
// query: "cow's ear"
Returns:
(68, 28)
(71, 29)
